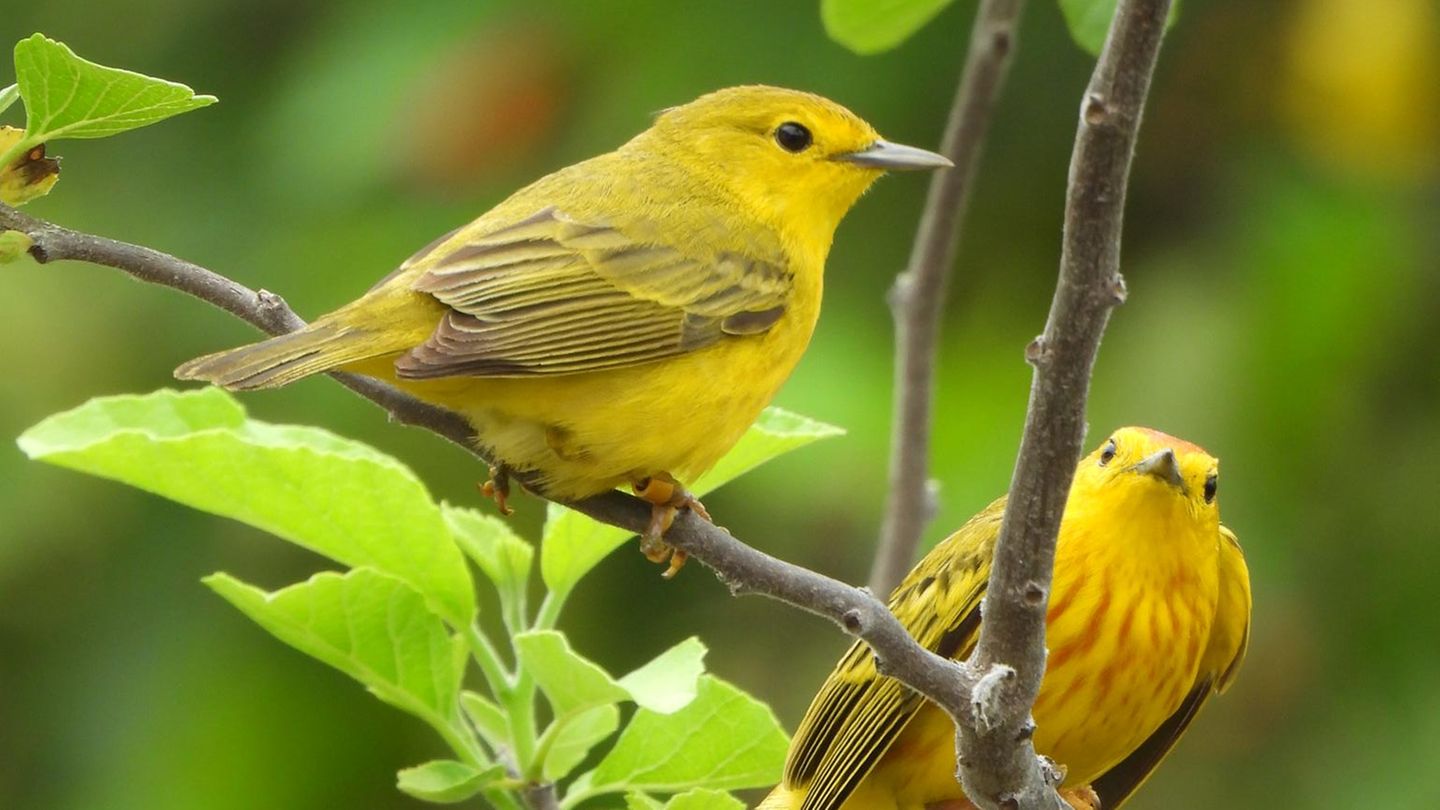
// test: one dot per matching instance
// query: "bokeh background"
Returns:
(1283, 256)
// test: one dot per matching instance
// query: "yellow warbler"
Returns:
(1149, 615)
(625, 319)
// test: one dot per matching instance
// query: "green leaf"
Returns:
(572, 543)
(69, 97)
(9, 96)
(668, 683)
(446, 781)
(334, 496)
(369, 625)
(774, 434)
(872, 26)
(489, 720)
(704, 799)
(13, 245)
(1089, 21)
(496, 549)
(575, 737)
(571, 682)
(635, 800)
(724, 740)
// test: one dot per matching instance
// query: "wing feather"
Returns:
(859, 713)
(552, 295)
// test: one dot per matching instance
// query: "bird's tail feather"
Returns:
(281, 360)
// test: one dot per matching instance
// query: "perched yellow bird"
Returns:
(625, 319)
(1149, 615)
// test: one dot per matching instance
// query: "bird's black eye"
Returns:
(1108, 454)
(792, 137)
(1212, 482)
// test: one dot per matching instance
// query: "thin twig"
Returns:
(918, 296)
(264, 310)
(999, 765)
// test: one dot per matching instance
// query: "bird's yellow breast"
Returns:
(1132, 604)
(1128, 622)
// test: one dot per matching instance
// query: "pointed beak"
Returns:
(895, 157)
(1163, 466)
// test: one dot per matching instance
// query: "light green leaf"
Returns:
(704, 799)
(69, 97)
(635, 800)
(9, 96)
(872, 26)
(334, 496)
(572, 543)
(489, 720)
(774, 434)
(571, 682)
(724, 740)
(1089, 21)
(446, 781)
(13, 245)
(369, 625)
(668, 683)
(495, 548)
(576, 736)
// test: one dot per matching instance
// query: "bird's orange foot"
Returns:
(1081, 798)
(667, 497)
(498, 488)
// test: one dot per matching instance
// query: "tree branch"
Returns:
(918, 296)
(999, 765)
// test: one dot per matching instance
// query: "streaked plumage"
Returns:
(1149, 615)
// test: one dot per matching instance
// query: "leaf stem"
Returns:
(496, 677)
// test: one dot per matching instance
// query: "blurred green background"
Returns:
(1282, 252)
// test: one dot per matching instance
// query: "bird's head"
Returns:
(1143, 469)
(797, 159)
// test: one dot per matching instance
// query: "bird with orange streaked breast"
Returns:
(1149, 616)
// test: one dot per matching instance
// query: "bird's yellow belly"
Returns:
(582, 434)
(1121, 661)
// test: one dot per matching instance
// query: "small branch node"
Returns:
(1118, 291)
(988, 694)
(270, 302)
(1037, 351)
(898, 296)
(1034, 594)
(1007, 802)
(38, 251)
(1000, 42)
(1051, 771)
(931, 504)
(853, 621)
(1097, 110)
(1027, 730)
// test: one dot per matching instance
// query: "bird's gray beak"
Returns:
(1163, 466)
(895, 157)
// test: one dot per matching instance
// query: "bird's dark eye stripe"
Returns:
(1212, 483)
(793, 137)
(1108, 454)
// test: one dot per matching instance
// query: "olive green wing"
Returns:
(553, 295)
(859, 713)
(1229, 639)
